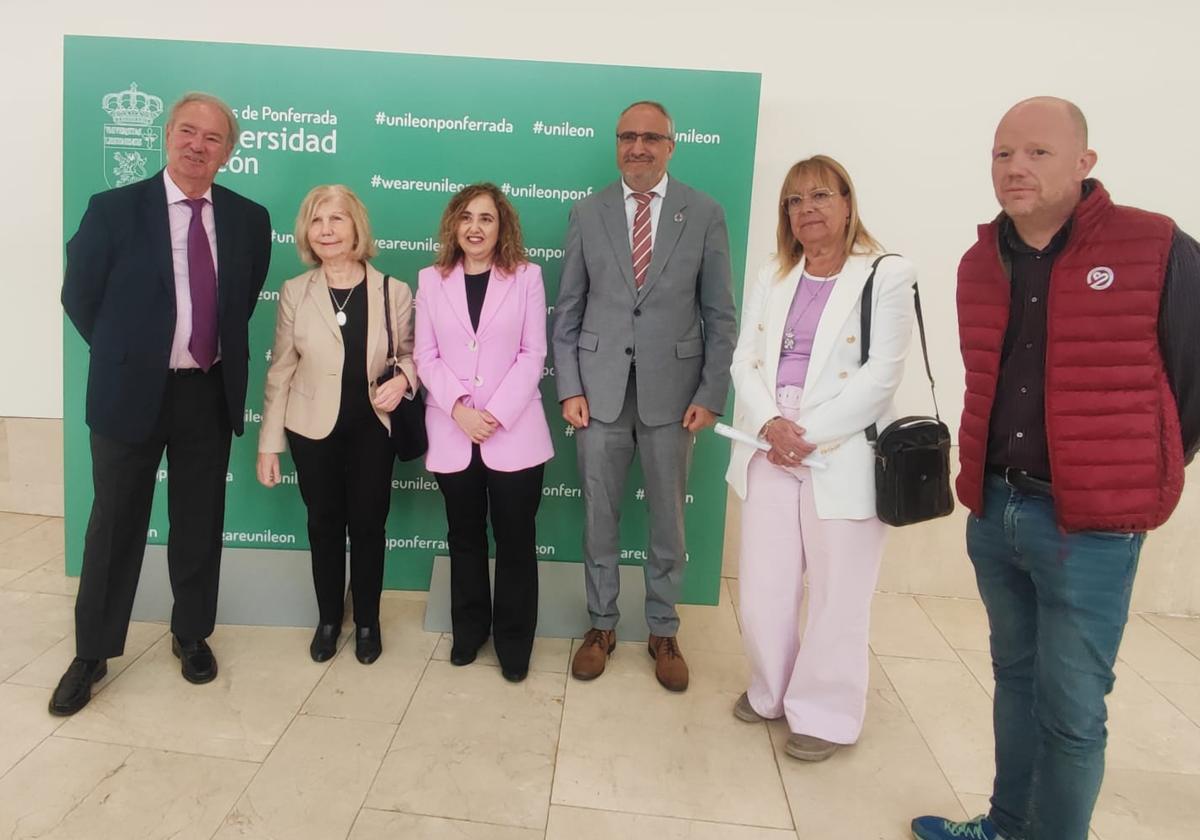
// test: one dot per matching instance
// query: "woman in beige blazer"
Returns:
(321, 402)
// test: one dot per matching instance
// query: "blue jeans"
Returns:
(1057, 604)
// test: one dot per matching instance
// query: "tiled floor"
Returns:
(412, 747)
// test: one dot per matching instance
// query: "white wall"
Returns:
(905, 94)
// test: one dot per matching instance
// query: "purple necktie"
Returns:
(202, 281)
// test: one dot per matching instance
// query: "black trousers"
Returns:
(345, 481)
(193, 427)
(513, 499)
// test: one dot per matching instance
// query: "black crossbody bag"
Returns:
(912, 455)
(409, 439)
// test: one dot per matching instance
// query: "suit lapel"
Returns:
(225, 225)
(613, 214)
(499, 286)
(671, 219)
(375, 313)
(842, 300)
(454, 288)
(318, 291)
(158, 227)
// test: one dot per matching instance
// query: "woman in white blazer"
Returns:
(321, 401)
(809, 502)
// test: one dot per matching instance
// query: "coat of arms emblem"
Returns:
(133, 144)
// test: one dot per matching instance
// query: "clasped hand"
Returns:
(788, 446)
(388, 395)
(478, 425)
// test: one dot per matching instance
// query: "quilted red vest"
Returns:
(1116, 453)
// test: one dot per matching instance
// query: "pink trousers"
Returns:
(819, 682)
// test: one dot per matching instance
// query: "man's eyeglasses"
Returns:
(819, 199)
(650, 138)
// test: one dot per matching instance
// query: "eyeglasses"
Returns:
(819, 199)
(650, 138)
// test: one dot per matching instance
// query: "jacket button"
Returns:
(478, 380)
(850, 339)
(843, 375)
(637, 311)
(760, 327)
(628, 351)
(473, 346)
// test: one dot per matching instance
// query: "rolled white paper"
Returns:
(813, 460)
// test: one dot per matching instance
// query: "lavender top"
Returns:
(812, 294)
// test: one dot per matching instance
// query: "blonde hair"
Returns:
(510, 247)
(207, 99)
(828, 173)
(364, 244)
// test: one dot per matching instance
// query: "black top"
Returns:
(356, 401)
(1017, 432)
(476, 291)
(1017, 437)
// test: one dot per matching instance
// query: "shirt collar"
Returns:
(178, 196)
(659, 189)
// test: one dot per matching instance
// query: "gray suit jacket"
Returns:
(680, 326)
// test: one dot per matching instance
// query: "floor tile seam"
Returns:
(166, 629)
(775, 754)
(1169, 638)
(925, 739)
(168, 751)
(723, 823)
(410, 813)
(1155, 685)
(395, 733)
(879, 655)
(29, 751)
(11, 537)
(36, 657)
(558, 738)
(929, 617)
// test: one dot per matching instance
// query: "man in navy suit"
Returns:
(162, 277)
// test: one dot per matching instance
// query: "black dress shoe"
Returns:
(514, 675)
(324, 642)
(367, 644)
(75, 688)
(463, 655)
(199, 666)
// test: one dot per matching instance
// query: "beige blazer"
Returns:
(303, 390)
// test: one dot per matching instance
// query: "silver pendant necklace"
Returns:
(340, 315)
(789, 337)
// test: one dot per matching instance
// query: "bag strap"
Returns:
(387, 320)
(865, 329)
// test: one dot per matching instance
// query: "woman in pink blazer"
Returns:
(480, 348)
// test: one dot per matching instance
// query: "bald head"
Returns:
(1040, 160)
(1053, 109)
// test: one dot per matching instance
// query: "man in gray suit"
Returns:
(643, 336)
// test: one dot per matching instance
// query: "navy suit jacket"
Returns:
(119, 292)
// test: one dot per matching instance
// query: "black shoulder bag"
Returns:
(912, 455)
(408, 418)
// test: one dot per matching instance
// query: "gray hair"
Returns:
(657, 106)
(207, 99)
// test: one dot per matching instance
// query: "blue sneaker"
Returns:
(937, 828)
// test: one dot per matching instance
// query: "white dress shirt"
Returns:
(659, 190)
(181, 217)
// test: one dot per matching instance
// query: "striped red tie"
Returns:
(641, 237)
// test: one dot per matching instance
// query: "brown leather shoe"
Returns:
(593, 654)
(669, 666)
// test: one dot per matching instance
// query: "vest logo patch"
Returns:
(1100, 278)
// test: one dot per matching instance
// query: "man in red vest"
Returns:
(1077, 323)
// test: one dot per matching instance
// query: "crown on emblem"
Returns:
(132, 107)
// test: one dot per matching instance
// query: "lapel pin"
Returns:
(679, 216)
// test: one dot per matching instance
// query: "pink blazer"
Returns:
(496, 369)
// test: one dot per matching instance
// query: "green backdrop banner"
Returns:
(404, 132)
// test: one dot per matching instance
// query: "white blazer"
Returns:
(841, 398)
